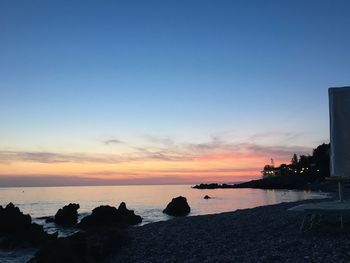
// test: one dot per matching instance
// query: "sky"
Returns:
(164, 92)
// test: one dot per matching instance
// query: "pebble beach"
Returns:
(262, 234)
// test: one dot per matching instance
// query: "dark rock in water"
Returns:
(207, 197)
(17, 229)
(102, 215)
(48, 219)
(90, 246)
(109, 215)
(128, 216)
(68, 215)
(177, 207)
(12, 219)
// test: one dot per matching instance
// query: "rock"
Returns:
(207, 197)
(109, 215)
(90, 246)
(48, 219)
(12, 219)
(17, 229)
(177, 207)
(68, 215)
(128, 216)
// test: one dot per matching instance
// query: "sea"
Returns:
(148, 201)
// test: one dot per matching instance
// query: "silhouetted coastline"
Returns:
(287, 182)
(304, 172)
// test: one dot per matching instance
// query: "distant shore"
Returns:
(278, 182)
(262, 234)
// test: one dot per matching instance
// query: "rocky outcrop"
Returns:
(178, 207)
(110, 216)
(17, 229)
(12, 219)
(68, 215)
(289, 182)
(214, 186)
(90, 246)
(128, 216)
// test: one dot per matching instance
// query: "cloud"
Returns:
(112, 141)
(164, 141)
(78, 180)
(46, 180)
(216, 148)
(171, 171)
(274, 134)
(51, 157)
(8, 157)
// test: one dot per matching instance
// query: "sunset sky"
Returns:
(157, 92)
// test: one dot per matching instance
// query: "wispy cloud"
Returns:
(112, 141)
(77, 180)
(160, 140)
(51, 157)
(161, 160)
(215, 148)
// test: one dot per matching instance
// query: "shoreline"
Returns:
(261, 234)
(277, 183)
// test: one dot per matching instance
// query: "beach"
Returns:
(262, 234)
(267, 233)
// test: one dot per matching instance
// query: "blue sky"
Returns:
(75, 73)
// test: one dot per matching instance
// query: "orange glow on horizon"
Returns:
(214, 167)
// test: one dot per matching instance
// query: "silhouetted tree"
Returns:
(321, 158)
(284, 169)
(315, 166)
(304, 161)
(268, 170)
(294, 160)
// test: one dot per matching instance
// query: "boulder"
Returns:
(207, 197)
(177, 207)
(128, 216)
(17, 229)
(12, 219)
(110, 216)
(83, 247)
(68, 215)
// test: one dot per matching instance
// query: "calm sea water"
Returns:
(147, 201)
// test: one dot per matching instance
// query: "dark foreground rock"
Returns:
(110, 216)
(17, 229)
(68, 215)
(207, 197)
(264, 234)
(178, 207)
(48, 219)
(83, 247)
